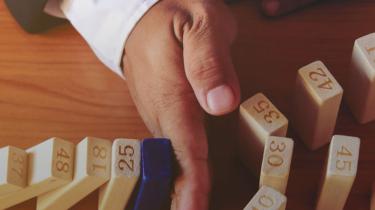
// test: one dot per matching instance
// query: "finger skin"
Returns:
(154, 67)
(208, 34)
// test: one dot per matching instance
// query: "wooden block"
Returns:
(13, 170)
(50, 165)
(316, 104)
(339, 174)
(156, 178)
(277, 158)
(267, 198)
(126, 163)
(360, 84)
(259, 119)
(92, 169)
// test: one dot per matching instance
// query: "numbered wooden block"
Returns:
(316, 104)
(259, 119)
(156, 178)
(267, 198)
(92, 169)
(13, 170)
(126, 163)
(50, 166)
(360, 84)
(277, 158)
(339, 174)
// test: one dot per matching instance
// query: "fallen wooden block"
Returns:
(92, 169)
(13, 170)
(50, 166)
(126, 164)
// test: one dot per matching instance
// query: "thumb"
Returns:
(207, 39)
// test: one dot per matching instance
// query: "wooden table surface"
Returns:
(52, 85)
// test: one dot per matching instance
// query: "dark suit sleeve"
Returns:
(31, 16)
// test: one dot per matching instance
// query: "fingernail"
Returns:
(220, 99)
(271, 6)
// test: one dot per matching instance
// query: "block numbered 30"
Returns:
(276, 163)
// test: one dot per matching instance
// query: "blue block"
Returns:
(156, 174)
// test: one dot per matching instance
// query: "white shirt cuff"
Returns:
(106, 25)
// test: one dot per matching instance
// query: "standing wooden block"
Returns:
(339, 174)
(259, 119)
(156, 178)
(277, 158)
(126, 163)
(267, 198)
(50, 165)
(316, 104)
(92, 169)
(13, 170)
(360, 84)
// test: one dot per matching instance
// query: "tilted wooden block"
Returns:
(13, 170)
(50, 165)
(340, 173)
(277, 158)
(92, 169)
(360, 84)
(156, 177)
(126, 163)
(267, 198)
(259, 119)
(316, 104)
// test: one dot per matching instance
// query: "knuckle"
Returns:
(209, 70)
(202, 17)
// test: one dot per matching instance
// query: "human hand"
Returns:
(177, 61)
(280, 7)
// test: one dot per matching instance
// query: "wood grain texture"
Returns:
(52, 85)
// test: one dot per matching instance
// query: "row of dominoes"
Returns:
(317, 100)
(59, 174)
